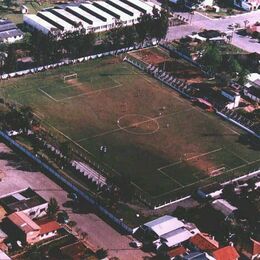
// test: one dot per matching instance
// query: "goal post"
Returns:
(70, 76)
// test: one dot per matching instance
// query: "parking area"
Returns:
(17, 174)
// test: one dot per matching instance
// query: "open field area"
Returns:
(152, 135)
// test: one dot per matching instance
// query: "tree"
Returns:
(234, 67)
(10, 64)
(143, 27)
(115, 35)
(8, 3)
(53, 207)
(242, 76)
(101, 253)
(160, 24)
(129, 35)
(212, 57)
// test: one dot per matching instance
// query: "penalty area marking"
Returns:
(191, 158)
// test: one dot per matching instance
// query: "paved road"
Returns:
(17, 175)
(200, 22)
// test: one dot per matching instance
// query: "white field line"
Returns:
(89, 93)
(131, 125)
(165, 174)
(238, 156)
(191, 158)
(49, 96)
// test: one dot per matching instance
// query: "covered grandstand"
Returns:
(94, 16)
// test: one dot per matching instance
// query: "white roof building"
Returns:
(39, 24)
(163, 225)
(176, 237)
(97, 16)
(223, 206)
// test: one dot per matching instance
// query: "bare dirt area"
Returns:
(84, 88)
(151, 55)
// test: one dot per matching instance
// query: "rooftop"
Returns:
(204, 242)
(164, 224)
(48, 226)
(226, 253)
(176, 237)
(224, 206)
(21, 200)
(23, 222)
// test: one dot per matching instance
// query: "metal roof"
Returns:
(55, 20)
(164, 224)
(176, 237)
(11, 33)
(34, 18)
(92, 20)
(98, 11)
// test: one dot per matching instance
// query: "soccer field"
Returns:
(153, 135)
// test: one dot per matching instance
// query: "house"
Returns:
(4, 256)
(175, 237)
(232, 96)
(209, 35)
(2, 213)
(204, 242)
(255, 247)
(20, 227)
(27, 201)
(160, 226)
(9, 32)
(224, 207)
(226, 253)
(253, 28)
(247, 5)
(48, 228)
(253, 79)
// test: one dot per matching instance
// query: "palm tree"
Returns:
(53, 207)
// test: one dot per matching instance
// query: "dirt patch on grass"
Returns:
(84, 88)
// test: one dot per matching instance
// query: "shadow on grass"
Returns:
(250, 141)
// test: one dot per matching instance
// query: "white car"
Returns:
(14, 133)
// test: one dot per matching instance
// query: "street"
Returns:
(200, 22)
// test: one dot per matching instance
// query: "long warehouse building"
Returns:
(97, 16)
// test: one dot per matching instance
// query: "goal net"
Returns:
(70, 76)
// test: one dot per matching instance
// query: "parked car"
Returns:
(136, 244)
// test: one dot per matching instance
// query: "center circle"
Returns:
(138, 124)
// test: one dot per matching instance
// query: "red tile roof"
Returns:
(22, 221)
(204, 242)
(226, 253)
(49, 226)
(256, 247)
(180, 250)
